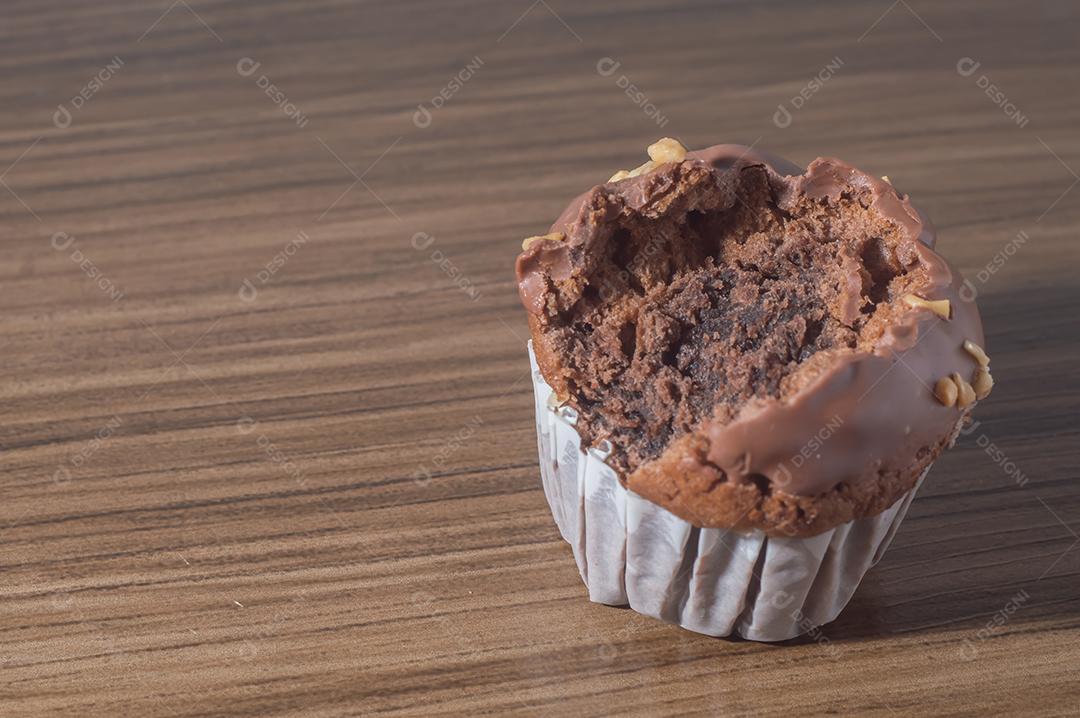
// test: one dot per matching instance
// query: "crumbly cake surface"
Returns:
(734, 333)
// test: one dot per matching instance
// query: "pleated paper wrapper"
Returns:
(631, 551)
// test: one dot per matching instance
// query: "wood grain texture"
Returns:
(325, 501)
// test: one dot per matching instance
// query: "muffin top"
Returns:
(761, 346)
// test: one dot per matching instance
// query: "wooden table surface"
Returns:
(266, 438)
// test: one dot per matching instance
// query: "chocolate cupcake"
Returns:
(743, 371)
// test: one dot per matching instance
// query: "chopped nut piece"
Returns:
(945, 391)
(983, 383)
(647, 167)
(940, 307)
(886, 178)
(557, 236)
(977, 352)
(620, 175)
(666, 150)
(965, 394)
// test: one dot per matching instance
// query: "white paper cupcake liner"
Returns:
(631, 551)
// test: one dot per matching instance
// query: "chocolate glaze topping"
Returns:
(869, 410)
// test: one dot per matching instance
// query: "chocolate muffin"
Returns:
(752, 345)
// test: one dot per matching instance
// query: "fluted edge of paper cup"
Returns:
(718, 582)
